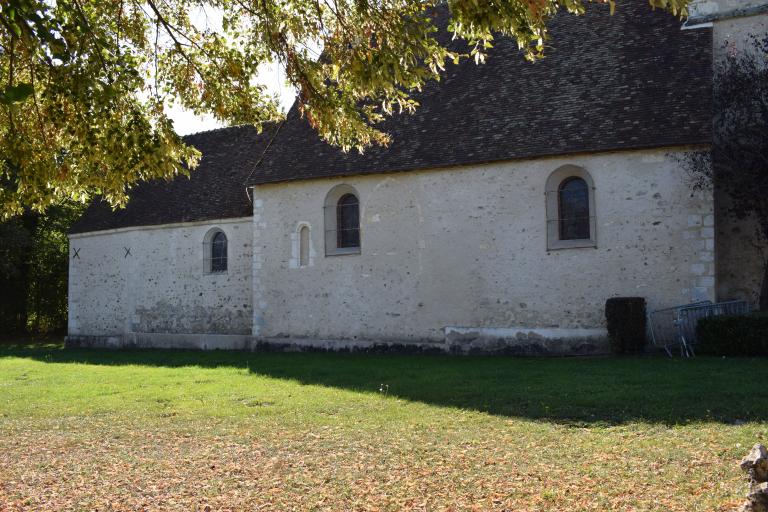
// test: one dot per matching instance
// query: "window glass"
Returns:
(219, 252)
(348, 221)
(304, 246)
(574, 217)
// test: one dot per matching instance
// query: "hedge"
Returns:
(625, 318)
(737, 335)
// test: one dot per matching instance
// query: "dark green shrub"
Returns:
(626, 324)
(743, 335)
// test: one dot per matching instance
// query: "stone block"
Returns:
(697, 269)
(756, 463)
(757, 499)
(700, 293)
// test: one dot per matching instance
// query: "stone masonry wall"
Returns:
(465, 249)
(161, 286)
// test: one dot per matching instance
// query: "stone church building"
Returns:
(514, 202)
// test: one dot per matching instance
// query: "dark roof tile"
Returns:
(628, 81)
(214, 190)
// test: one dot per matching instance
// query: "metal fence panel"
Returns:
(689, 316)
(675, 328)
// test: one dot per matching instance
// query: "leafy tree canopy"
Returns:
(34, 260)
(85, 84)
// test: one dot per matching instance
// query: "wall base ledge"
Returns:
(458, 340)
(528, 341)
(289, 344)
(191, 341)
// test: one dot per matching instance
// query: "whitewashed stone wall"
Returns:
(160, 294)
(451, 250)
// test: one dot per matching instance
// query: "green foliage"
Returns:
(742, 335)
(15, 245)
(16, 93)
(87, 83)
(626, 319)
(33, 270)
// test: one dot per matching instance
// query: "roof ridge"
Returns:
(264, 126)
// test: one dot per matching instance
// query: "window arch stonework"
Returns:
(215, 251)
(570, 198)
(302, 252)
(342, 221)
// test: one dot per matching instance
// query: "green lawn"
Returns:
(164, 430)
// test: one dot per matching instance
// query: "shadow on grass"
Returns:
(573, 391)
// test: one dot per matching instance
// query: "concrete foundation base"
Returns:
(163, 340)
(458, 340)
(360, 346)
(527, 342)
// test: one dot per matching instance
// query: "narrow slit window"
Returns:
(304, 246)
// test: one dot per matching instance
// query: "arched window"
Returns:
(573, 209)
(219, 252)
(215, 251)
(342, 221)
(570, 196)
(348, 222)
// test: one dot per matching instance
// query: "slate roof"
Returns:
(632, 80)
(629, 81)
(214, 189)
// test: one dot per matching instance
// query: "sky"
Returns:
(270, 75)
(186, 122)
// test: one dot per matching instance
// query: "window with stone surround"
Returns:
(342, 221)
(570, 203)
(215, 251)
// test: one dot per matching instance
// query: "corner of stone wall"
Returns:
(701, 233)
(257, 268)
(72, 292)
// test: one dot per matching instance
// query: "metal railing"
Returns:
(563, 232)
(675, 327)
